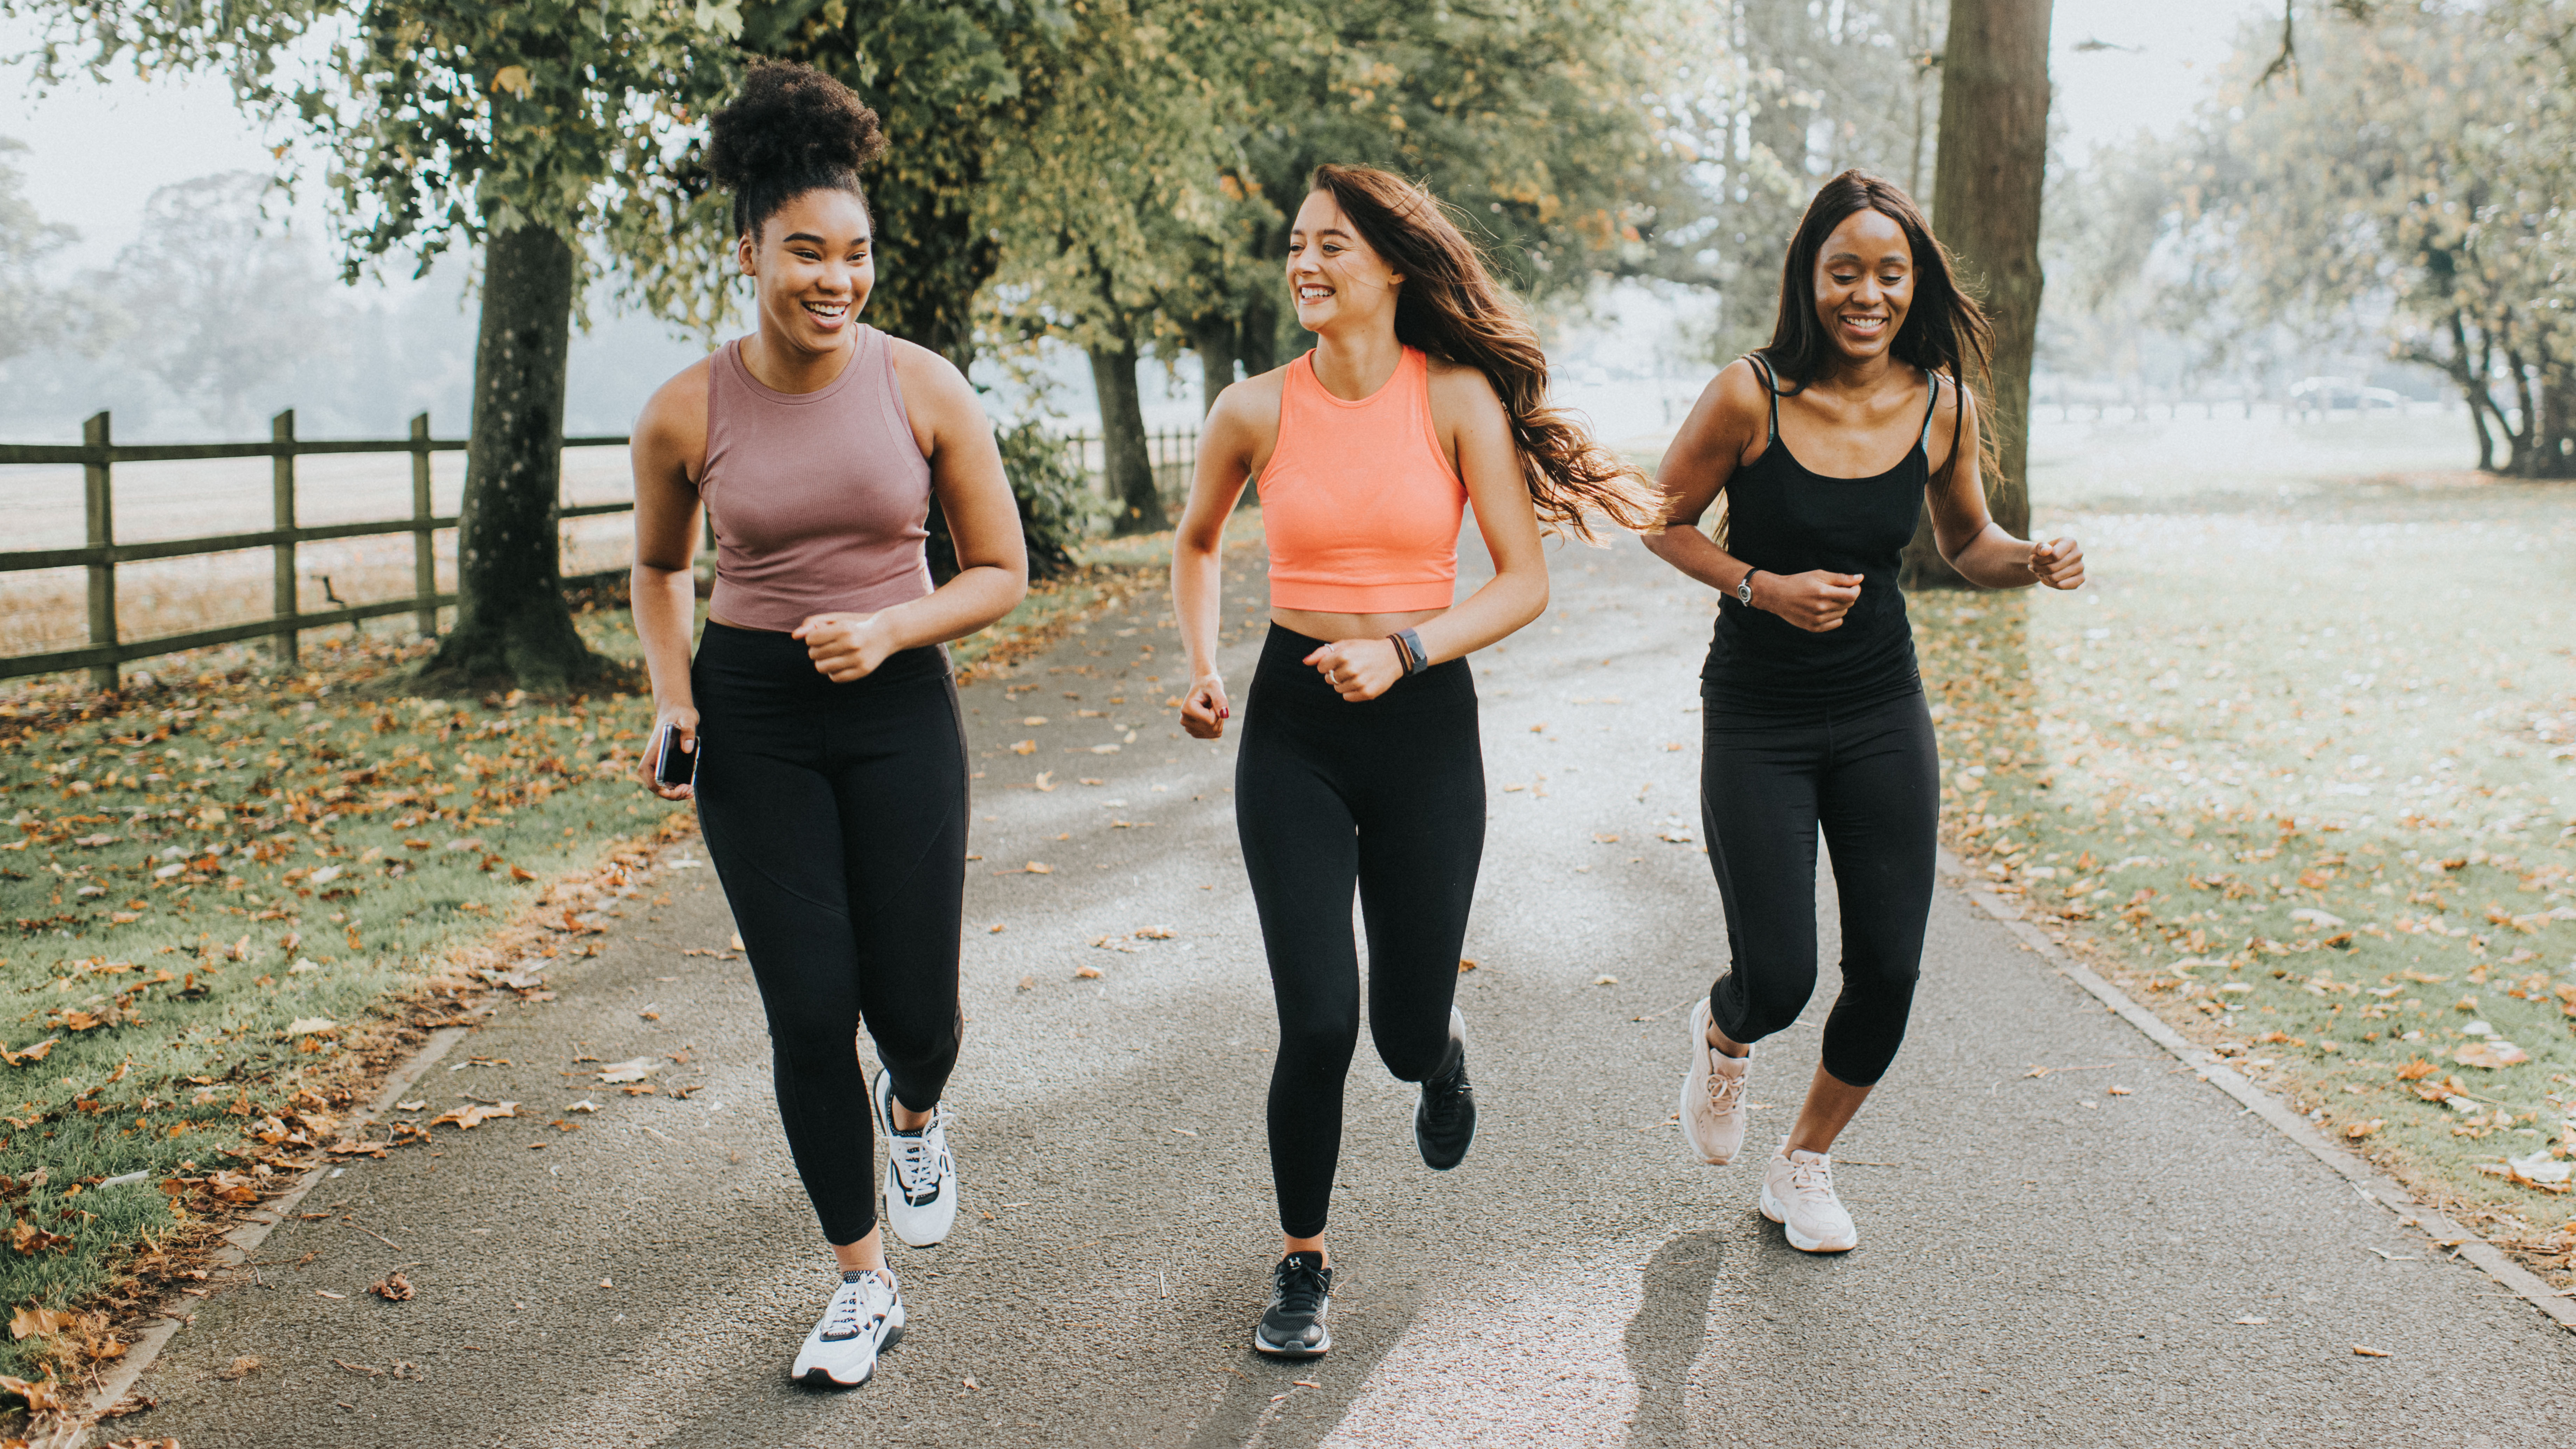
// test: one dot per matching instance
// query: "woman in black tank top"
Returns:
(1814, 714)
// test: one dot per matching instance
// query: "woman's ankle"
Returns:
(867, 1255)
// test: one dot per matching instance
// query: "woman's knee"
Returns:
(1320, 1041)
(1758, 998)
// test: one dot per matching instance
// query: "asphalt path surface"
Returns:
(2041, 1261)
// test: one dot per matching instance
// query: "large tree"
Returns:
(543, 130)
(1988, 183)
(2411, 189)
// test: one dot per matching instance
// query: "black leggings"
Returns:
(1872, 778)
(836, 817)
(1389, 795)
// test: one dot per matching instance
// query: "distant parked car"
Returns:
(2325, 394)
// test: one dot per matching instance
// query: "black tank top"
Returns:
(1784, 520)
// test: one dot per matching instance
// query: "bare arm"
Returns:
(1237, 433)
(949, 425)
(1732, 414)
(1489, 463)
(1975, 545)
(669, 451)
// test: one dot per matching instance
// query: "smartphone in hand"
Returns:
(671, 767)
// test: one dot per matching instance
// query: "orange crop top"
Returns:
(1359, 505)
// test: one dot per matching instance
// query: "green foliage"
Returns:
(1057, 506)
(445, 119)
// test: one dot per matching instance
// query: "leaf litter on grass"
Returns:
(226, 898)
(2327, 828)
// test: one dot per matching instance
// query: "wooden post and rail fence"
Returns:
(98, 454)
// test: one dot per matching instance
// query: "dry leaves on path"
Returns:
(475, 1114)
(394, 1288)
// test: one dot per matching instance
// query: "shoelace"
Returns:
(850, 1308)
(917, 1154)
(1449, 1098)
(1724, 1090)
(1813, 1178)
(1301, 1288)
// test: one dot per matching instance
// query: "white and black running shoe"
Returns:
(864, 1318)
(1301, 1293)
(920, 1175)
(1444, 1122)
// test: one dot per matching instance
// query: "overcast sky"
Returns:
(98, 152)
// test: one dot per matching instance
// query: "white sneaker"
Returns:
(864, 1318)
(920, 1175)
(1798, 1194)
(1713, 1096)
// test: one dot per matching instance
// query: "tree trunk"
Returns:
(1257, 340)
(2554, 437)
(1124, 459)
(1213, 341)
(1990, 167)
(513, 630)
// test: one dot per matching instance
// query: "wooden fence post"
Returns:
(424, 556)
(98, 501)
(281, 430)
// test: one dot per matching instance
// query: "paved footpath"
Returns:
(2041, 1262)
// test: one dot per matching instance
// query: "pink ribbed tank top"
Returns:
(820, 500)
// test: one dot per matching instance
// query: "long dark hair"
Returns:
(1945, 331)
(792, 130)
(1451, 307)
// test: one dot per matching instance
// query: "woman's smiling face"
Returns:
(1864, 283)
(1334, 275)
(813, 265)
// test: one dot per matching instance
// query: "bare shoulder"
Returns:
(1739, 392)
(929, 378)
(1247, 412)
(1463, 394)
(676, 413)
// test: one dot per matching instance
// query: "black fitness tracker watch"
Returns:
(1408, 647)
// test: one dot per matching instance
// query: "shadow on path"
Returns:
(1670, 1327)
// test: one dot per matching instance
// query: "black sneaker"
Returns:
(1301, 1293)
(1444, 1124)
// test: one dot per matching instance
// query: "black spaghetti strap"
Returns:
(1929, 408)
(1771, 385)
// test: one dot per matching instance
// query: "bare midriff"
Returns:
(1334, 628)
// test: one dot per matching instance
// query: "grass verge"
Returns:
(2319, 821)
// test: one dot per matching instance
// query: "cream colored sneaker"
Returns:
(1798, 1194)
(1712, 1096)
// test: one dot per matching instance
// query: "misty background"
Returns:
(184, 287)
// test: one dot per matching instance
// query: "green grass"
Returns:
(191, 874)
(2303, 762)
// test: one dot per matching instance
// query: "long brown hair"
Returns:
(1450, 307)
(1944, 331)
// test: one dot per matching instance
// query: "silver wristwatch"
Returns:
(1744, 588)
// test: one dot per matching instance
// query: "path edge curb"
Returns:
(246, 1237)
(2373, 1185)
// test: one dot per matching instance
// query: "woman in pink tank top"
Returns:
(829, 757)
(1360, 766)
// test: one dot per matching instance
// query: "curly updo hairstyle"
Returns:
(792, 130)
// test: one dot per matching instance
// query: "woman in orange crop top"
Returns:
(1360, 765)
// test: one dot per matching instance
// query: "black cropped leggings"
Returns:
(1388, 795)
(836, 817)
(1871, 777)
